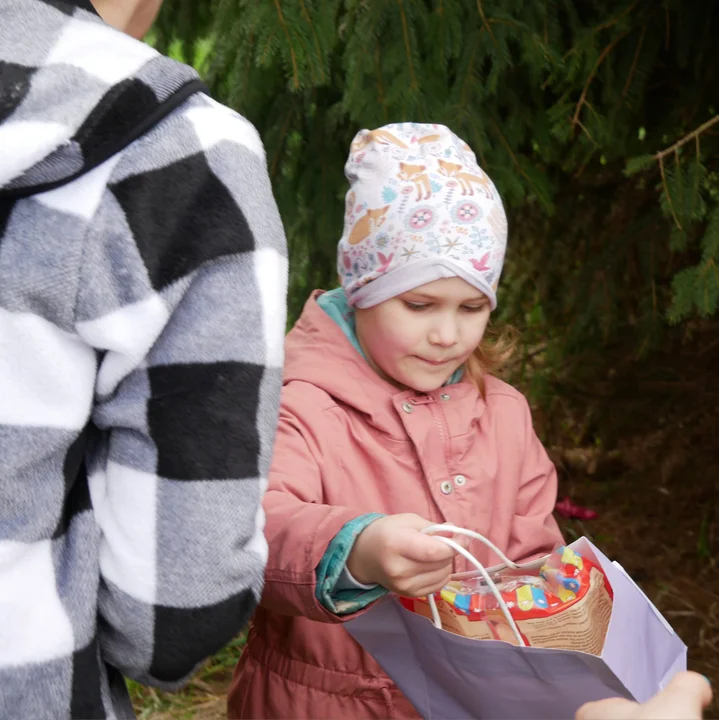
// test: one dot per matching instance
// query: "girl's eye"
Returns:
(416, 307)
(474, 308)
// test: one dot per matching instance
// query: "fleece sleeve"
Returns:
(183, 296)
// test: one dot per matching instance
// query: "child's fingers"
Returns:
(426, 549)
(461, 540)
(415, 569)
(427, 583)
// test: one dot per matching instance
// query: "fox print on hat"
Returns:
(419, 208)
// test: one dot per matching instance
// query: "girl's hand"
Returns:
(392, 552)
(683, 699)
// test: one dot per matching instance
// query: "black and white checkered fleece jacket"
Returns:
(142, 317)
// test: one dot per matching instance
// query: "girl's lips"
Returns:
(436, 363)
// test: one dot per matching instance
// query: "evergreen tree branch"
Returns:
(680, 180)
(600, 60)
(480, 9)
(635, 60)
(468, 76)
(408, 48)
(693, 134)
(266, 48)
(668, 194)
(280, 142)
(698, 168)
(295, 73)
(708, 267)
(516, 162)
(248, 65)
(463, 77)
(589, 135)
(380, 86)
(440, 12)
(613, 21)
(654, 284)
(315, 38)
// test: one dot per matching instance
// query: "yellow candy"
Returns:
(565, 595)
(448, 596)
(571, 558)
(525, 601)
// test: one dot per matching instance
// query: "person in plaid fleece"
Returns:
(143, 274)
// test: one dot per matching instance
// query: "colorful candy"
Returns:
(566, 583)
(562, 580)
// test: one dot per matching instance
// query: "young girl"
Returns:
(390, 422)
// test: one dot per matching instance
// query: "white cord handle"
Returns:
(433, 530)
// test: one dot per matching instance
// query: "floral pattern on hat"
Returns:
(417, 195)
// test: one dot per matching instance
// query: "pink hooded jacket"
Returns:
(350, 443)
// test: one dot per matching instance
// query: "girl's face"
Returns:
(418, 339)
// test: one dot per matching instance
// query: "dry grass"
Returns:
(202, 699)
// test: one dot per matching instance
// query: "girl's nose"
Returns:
(444, 333)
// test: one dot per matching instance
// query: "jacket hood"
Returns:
(318, 352)
(73, 92)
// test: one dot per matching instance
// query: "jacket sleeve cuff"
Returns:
(346, 581)
(333, 594)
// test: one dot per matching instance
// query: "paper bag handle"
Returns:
(433, 530)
